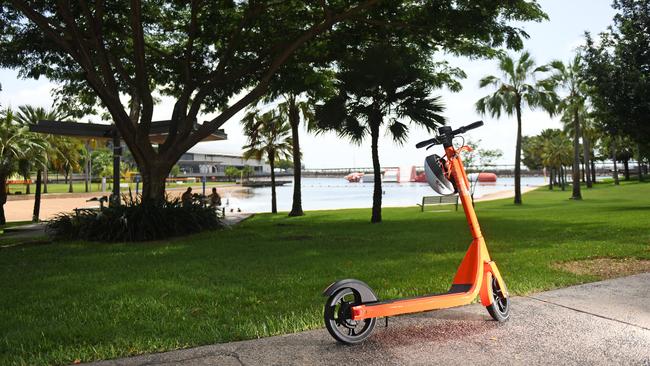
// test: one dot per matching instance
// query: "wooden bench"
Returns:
(439, 200)
(86, 210)
(92, 209)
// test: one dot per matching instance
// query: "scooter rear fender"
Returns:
(364, 291)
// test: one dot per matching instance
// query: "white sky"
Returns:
(553, 39)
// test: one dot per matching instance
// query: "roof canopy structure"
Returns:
(89, 131)
(157, 133)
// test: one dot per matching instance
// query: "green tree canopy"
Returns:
(215, 56)
(618, 71)
(386, 84)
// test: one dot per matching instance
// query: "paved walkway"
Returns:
(234, 218)
(605, 322)
(19, 208)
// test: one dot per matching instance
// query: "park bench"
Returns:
(92, 209)
(439, 200)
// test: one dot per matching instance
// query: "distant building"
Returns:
(214, 165)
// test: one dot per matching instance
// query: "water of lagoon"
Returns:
(334, 193)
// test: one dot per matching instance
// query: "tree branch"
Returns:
(179, 114)
(53, 33)
(209, 127)
(251, 12)
(98, 45)
(141, 78)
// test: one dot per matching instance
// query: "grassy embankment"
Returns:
(92, 301)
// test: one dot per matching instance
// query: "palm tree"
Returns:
(556, 151)
(25, 171)
(389, 85)
(621, 150)
(30, 115)
(66, 157)
(294, 110)
(594, 137)
(16, 143)
(567, 77)
(269, 136)
(586, 132)
(515, 90)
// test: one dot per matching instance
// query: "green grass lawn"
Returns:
(80, 187)
(91, 301)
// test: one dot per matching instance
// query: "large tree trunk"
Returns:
(90, 174)
(69, 174)
(377, 191)
(86, 176)
(563, 177)
(551, 177)
(3, 197)
(274, 199)
(37, 197)
(575, 173)
(585, 151)
(593, 167)
(45, 176)
(616, 182)
(294, 120)
(639, 160)
(626, 169)
(153, 182)
(518, 155)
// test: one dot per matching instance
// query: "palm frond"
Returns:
(398, 131)
(489, 80)
(507, 66)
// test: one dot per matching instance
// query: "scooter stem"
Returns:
(462, 184)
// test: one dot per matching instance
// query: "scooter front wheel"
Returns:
(500, 307)
(338, 318)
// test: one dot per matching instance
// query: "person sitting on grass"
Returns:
(215, 199)
(186, 198)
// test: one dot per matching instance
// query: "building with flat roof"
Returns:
(214, 165)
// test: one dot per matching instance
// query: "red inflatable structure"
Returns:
(487, 177)
(418, 176)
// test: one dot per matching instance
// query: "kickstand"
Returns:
(386, 321)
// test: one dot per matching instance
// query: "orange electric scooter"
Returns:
(352, 307)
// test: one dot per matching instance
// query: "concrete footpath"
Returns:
(605, 322)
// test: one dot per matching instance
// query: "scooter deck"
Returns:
(458, 294)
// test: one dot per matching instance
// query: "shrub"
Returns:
(136, 221)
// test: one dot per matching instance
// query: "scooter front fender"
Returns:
(490, 270)
(360, 287)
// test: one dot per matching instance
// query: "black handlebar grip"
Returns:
(474, 125)
(464, 129)
(425, 143)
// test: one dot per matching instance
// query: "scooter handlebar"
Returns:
(436, 141)
(428, 142)
(470, 126)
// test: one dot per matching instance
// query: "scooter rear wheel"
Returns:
(500, 307)
(338, 314)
